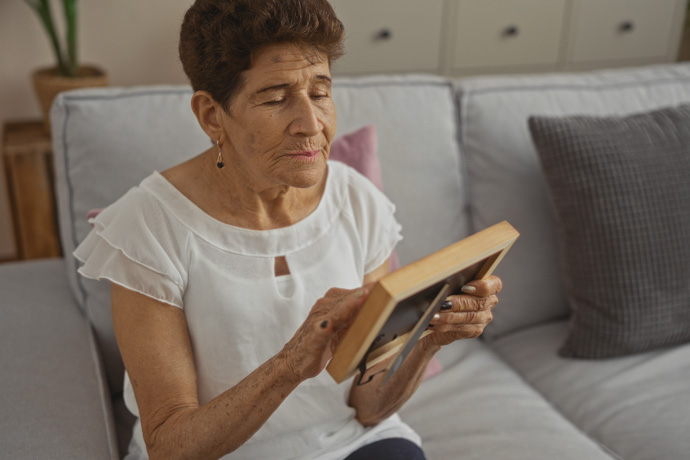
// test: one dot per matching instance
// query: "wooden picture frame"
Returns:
(401, 304)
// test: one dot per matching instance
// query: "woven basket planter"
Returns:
(48, 83)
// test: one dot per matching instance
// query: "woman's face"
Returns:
(281, 123)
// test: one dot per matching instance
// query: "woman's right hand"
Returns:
(309, 350)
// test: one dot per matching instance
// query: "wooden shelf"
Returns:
(28, 160)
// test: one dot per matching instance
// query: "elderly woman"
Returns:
(234, 272)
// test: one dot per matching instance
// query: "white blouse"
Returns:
(155, 241)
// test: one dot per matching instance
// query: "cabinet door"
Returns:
(500, 33)
(390, 35)
(622, 29)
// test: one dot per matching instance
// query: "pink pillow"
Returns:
(92, 213)
(358, 150)
(432, 369)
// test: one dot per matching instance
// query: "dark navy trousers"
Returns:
(388, 449)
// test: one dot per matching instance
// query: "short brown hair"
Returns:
(219, 37)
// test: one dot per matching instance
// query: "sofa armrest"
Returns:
(54, 399)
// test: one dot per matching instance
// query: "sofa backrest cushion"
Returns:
(416, 125)
(504, 175)
(107, 140)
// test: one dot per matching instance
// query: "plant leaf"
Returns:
(42, 9)
(70, 9)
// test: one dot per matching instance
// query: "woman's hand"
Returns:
(313, 344)
(468, 314)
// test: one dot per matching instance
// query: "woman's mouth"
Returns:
(305, 155)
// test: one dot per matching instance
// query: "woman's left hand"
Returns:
(469, 313)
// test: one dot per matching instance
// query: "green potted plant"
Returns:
(67, 73)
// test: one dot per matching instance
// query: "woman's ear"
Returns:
(208, 113)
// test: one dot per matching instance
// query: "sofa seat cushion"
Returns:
(636, 405)
(54, 399)
(505, 179)
(480, 408)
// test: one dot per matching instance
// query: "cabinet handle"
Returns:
(627, 26)
(384, 34)
(511, 31)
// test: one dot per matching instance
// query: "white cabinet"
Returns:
(463, 37)
(390, 35)
(490, 33)
(614, 30)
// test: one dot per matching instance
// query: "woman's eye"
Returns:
(319, 96)
(274, 102)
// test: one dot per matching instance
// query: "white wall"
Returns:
(135, 41)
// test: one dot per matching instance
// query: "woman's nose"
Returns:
(306, 121)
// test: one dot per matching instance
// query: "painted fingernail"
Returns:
(324, 324)
(469, 289)
(437, 317)
(447, 305)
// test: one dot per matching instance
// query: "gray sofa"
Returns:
(456, 157)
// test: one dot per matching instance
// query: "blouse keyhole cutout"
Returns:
(281, 266)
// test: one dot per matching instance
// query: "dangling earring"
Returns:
(219, 161)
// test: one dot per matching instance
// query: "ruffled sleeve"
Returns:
(374, 215)
(135, 243)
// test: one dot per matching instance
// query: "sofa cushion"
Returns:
(54, 398)
(620, 190)
(105, 141)
(505, 179)
(415, 118)
(636, 405)
(479, 408)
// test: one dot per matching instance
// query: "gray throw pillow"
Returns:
(620, 187)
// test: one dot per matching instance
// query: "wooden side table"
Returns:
(28, 160)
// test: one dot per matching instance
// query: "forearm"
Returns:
(226, 422)
(374, 403)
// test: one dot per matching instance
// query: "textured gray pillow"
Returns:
(620, 187)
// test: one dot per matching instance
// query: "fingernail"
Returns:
(469, 289)
(437, 317)
(324, 324)
(359, 293)
(447, 305)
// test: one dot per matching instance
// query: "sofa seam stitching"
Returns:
(125, 95)
(70, 200)
(187, 90)
(571, 87)
(462, 160)
(463, 101)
